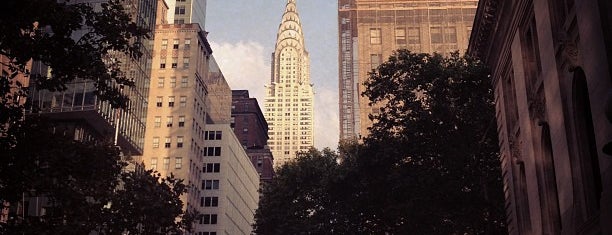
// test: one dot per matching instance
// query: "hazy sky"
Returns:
(243, 34)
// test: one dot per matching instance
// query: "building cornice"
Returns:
(482, 30)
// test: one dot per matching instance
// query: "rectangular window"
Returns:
(169, 120)
(179, 21)
(210, 184)
(166, 163)
(155, 142)
(400, 36)
(187, 44)
(168, 143)
(436, 35)
(179, 141)
(375, 36)
(211, 202)
(162, 63)
(172, 82)
(160, 82)
(180, 10)
(185, 63)
(174, 62)
(171, 101)
(175, 44)
(183, 101)
(164, 44)
(153, 163)
(209, 219)
(375, 60)
(212, 167)
(159, 100)
(450, 35)
(414, 36)
(184, 81)
(178, 163)
(181, 121)
(157, 121)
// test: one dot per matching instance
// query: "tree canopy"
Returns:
(429, 165)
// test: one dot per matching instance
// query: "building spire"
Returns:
(290, 29)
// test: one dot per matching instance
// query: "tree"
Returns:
(304, 198)
(82, 187)
(430, 164)
(74, 40)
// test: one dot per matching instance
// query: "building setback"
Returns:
(551, 72)
(369, 32)
(251, 129)
(289, 98)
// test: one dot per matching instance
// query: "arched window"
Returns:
(587, 157)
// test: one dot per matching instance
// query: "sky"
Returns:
(242, 34)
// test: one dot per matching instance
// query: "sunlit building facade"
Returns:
(289, 98)
(369, 32)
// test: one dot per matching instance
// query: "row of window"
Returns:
(175, 43)
(208, 219)
(159, 101)
(169, 121)
(209, 202)
(168, 142)
(210, 184)
(174, 64)
(211, 168)
(161, 82)
(178, 163)
(213, 135)
(412, 35)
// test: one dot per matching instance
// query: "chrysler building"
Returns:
(289, 101)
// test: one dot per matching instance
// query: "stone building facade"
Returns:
(551, 73)
(371, 30)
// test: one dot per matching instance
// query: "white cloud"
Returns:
(246, 66)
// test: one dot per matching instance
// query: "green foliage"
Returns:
(82, 187)
(72, 39)
(429, 166)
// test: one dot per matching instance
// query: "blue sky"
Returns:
(242, 35)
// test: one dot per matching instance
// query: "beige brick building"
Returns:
(289, 99)
(370, 30)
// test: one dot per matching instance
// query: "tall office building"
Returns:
(82, 114)
(370, 30)
(187, 11)
(289, 101)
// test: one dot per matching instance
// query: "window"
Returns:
(183, 101)
(212, 151)
(213, 135)
(450, 35)
(174, 62)
(179, 21)
(414, 36)
(162, 63)
(171, 101)
(181, 121)
(210, 184)
(168, 142)
(436, 35)
(187, 44)
(153, 163)
(375, 36)
(160, 82)
(186, 63)
(157, 121)
(172, 82)
(179, 141)
(178, 163)
(166, 163)
(184, 81)
(211, 168)
(169, 121)
(375, 60)
(400, 36)
(155, 142)
(209, 219)
(159, 101)
(175, 44)
(209, 202)
(180, 10)
(164, 44)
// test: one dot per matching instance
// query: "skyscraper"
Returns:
(370, 30)
(289, 101)
(187, 11)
